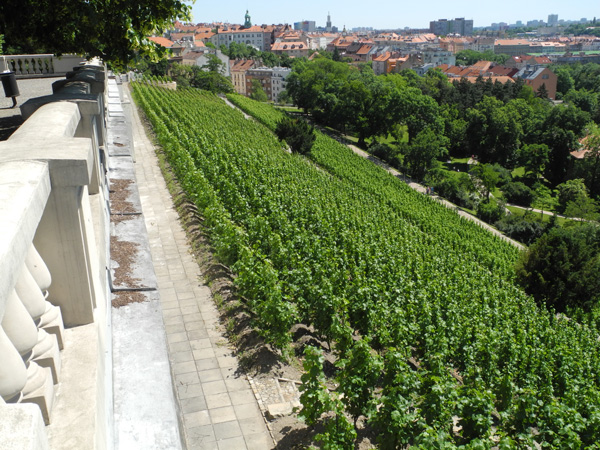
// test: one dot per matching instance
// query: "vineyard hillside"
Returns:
(435, 344)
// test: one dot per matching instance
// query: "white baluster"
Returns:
(46, 351)
(13, 373)
(51, 320)
(30, 294)
(19, 326)
(22, 332)
(38, 268)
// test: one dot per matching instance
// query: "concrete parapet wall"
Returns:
(53, 198)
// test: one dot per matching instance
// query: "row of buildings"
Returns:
(388, 52)
(533, 71)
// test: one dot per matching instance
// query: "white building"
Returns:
(278, 83)
(254, 36)
(437, 57)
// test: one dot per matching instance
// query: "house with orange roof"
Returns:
(363, 53)
(239, 68)
(341, 43)
(521, 61)
(162, 41)
(293, 49)
(386, 62)
(536, 76)
(182, 37)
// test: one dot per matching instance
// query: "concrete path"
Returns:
(218, 408)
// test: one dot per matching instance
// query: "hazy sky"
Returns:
(390, 14)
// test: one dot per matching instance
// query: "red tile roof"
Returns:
(161, 41)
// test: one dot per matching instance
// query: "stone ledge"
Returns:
(22, 428)
(24, 192)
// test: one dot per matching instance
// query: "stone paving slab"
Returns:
(217, 405)
(133, 230)
(121, 168)
(142, 378)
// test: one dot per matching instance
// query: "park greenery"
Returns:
(434, 344)
(114, 30)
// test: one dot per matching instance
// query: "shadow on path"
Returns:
(8, 125)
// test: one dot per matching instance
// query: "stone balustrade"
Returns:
(43, 65)
(52, 254)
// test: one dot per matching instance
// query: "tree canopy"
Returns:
(114, 30)
(561, 268)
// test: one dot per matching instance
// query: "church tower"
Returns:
(247, 21)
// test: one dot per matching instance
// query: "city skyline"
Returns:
(384, 14)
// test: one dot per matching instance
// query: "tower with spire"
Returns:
(328, 26)
(247, 21)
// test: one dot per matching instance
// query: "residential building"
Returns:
(444, 27)
(317, 41)
(536, 76)
(552, 20)
(524, 60)
(293, 49)
(200, 58)
(308, 26)
(272, 80)
(438, 57)
(381, 63)
(512, 47)
(278, 83)
(255, 36)
(239, 68)
(162, 41)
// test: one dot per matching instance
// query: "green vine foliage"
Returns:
(336, 243)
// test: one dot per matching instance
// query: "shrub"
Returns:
(525, 229)
(490, 211)
(298, 134)
(519, 193)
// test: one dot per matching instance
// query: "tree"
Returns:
(519, 193)
(423, 151)
(488, 177)
(560, 132)
(114, 30)
(571, 191)
(542, 92)
(561, 268)
(534, 158)
(214, 64)
(583, 207)
(211, 81)
(258, 93)
(544, 200)
(298, 134)
(494, 131)
(589, 167)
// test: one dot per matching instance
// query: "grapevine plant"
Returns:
(436, 345)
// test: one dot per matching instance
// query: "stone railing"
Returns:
(53, 221)
(44, 65)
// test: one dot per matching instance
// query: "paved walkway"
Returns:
(218, 407)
